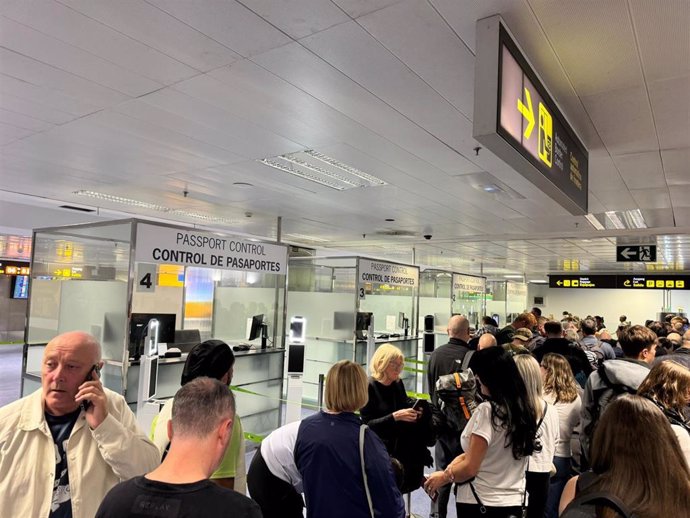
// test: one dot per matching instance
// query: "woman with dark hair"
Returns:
(212, 359)
(668, 386)
(497, 441)
(639, 462)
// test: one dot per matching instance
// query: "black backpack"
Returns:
(595, 354)
(585, 506)
(457, 393)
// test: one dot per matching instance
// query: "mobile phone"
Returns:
(417, 404)
(85, 404)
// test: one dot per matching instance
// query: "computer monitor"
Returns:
(258, 329)
(401, 320)
(298, 329)
(138, 330)
(295, 359)
(19, 287)
(362, 324)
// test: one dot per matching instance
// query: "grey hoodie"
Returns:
(625, 373)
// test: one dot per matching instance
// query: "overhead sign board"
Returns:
(469, 283)
(517, 119)
(384, 273)
(582, 281)
(169, 245)
(636, 253)
(621, 282)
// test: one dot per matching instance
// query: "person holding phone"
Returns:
(402, 423)
(64, 446)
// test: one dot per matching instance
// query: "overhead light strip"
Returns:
(158, 208)
(302, 174)
(594, 221)
(331, 173)
(615, 220)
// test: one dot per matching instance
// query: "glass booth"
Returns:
(336, 296)
(107, 278)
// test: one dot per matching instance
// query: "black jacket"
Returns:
(444, 360)
(574, 354)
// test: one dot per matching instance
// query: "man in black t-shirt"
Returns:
(199, 431)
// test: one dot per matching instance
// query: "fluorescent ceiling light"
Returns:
(319, 168)
(308, 238)
(538, 281)
(615, 220)
(634, 218)
(513, 276)
(594, 221)
(153, 206)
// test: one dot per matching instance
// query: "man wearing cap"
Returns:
(521, 337)
(212, 359)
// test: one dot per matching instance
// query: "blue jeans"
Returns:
(563, 474)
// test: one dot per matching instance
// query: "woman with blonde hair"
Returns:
(562, 391)
(636, 459)
(668, 386)
(539, 465)
(329, 450)
(406, 431)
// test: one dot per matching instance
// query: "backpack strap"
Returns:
(466, 360)
(600, 498)
(362, 430)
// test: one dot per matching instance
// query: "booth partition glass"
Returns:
(79, 281)
(469, 298)
(104, 278)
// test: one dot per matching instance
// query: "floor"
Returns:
(10, 373)
(10, 387)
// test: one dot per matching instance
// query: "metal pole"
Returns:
(322, 379)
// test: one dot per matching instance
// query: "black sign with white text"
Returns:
(636, 253)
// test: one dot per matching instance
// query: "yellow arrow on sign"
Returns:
(527, 113)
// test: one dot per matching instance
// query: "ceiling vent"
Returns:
(78, 209)
(489, 184)
(396, 233)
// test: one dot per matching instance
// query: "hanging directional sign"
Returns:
(629, 253)
(621, 282)
(517, 119)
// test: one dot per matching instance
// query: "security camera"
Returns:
(427, 236)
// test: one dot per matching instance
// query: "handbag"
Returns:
(362, 431)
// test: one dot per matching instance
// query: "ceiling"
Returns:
(169, 105)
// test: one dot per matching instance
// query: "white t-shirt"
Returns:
(683, 440)
(278, 451)
(568, 419)
(541, 461)
(500, 481)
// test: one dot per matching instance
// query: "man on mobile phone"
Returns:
(57, 459)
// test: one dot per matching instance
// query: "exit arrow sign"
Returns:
(636, 253)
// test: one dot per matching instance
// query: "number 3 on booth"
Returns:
(146, 277)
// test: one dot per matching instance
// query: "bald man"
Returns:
(67, 444)
(485, 341)
(445, 360)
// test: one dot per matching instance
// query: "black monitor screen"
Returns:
(295, 359)
(153, 378)
(20, 287)
(363, 321)
(255, 330)
(138, 330)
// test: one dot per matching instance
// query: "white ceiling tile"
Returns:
(641, 170)
(41, 112)
(298, 18)
(603, 174)
(39, 74)
(390, 80)
(623, 119)
(10, 133)
(656, 23)
(357, 8)
(50, 51)
(146, 23)
(680, 195)
(427, 35)
(671, 107)
(682, 216)
(319, 79)
(676, 163)
(658, 217)
(616, 200)
(23, 121)
(229, 23)
(69, 26)
(652, 198)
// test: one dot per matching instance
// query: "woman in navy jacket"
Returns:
(327, 454)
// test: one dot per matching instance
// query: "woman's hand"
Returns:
(408, 415)
(435, 481)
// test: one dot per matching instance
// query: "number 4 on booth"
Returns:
(146, 277)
